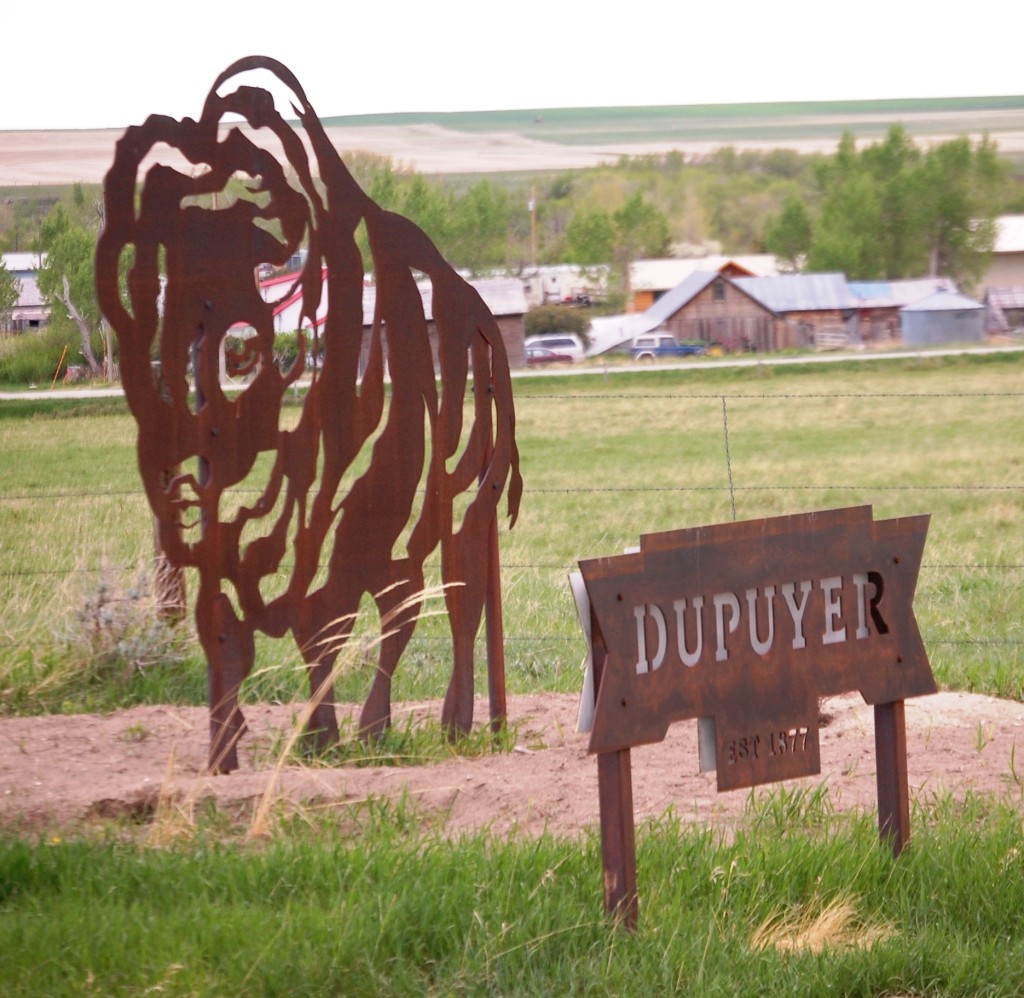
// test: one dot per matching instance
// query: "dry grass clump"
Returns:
(816, 926)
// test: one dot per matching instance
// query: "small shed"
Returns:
(1004, 310)
(943, 317)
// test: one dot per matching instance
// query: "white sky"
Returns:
(110, 63)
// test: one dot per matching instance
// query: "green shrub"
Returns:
(32, 358)
(557, 319)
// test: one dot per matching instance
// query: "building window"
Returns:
(718, 291)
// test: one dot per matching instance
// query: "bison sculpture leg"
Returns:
(230, 651)
(465, 594)
(398, 605)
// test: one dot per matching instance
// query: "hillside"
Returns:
(559, 139)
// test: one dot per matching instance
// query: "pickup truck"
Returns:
(662, 345)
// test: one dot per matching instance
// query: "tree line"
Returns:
(889, 209)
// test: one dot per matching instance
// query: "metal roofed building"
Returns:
(943, 317)
(31, 311)
(814, 309)
(706, 307)
(879, 303)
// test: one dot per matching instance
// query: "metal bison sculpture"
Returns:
(289, 524)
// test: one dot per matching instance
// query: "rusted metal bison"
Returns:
(351, 498)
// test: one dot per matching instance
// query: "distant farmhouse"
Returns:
(743, 313)
(742, 303)
(31, 312)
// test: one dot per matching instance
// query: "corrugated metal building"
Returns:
(813, 309)
(943, 317)
(879, 303)
(31, 310)
(740, 314)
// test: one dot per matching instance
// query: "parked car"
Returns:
(542, 355)
(657, 345)
(567, 343)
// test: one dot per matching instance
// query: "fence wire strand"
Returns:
(733, 489)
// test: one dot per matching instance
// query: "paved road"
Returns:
(595, 367)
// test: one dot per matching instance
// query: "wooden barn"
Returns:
(712, 308)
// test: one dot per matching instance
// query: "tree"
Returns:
(10, 290)
(788, 234)
(427, 207)
(894, 167)
(892, 211)
(590, 237)
(963, 187)
(640, 229)
(478, 227)
(636, 229)
(67, 279)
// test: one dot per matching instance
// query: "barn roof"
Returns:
(1006, 297)
(657, 275)
(29, 295)
(896, 294)
(672, 301)
(799, 292)
(943, 301)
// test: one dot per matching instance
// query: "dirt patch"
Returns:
(61, 772)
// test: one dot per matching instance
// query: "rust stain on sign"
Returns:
(746, 626)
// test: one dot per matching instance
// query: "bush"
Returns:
(32, 358)
(558, 319)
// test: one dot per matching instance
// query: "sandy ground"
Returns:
(40, 157)
(58, 773)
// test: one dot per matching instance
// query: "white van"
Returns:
(566, 343)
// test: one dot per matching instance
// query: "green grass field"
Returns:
(604, 459)
(798, 899)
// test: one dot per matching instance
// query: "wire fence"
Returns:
(639, 461)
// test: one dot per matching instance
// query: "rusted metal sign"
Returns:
(290, 522)
(745, 626)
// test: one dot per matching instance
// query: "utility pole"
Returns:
(532, 205)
